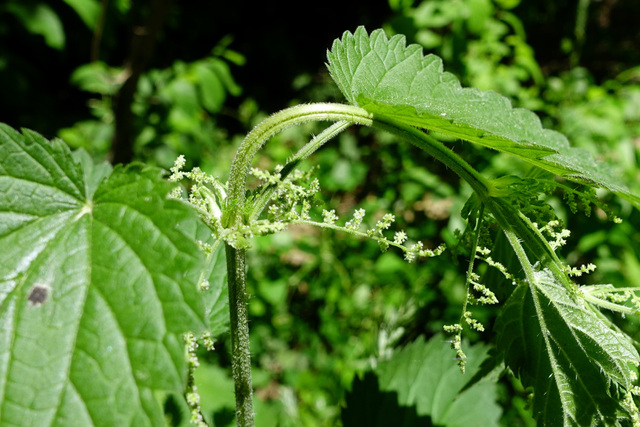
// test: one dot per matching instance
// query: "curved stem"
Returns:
(317, 142)
(270, 127)
(514, 223)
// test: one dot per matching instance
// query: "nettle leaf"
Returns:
(568, 351)
(397, 82)
(97, 284)
(423, 382)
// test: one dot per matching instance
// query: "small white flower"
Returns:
(329, 217)
(400, 237)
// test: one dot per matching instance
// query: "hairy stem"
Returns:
(240, 354)
(235, 212)
(516, 226)
(317, 142)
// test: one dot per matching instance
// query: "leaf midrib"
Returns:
(554, 363)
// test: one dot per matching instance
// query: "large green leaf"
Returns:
(397, 82)
(423, 380)
(575, 360)
(97, 283)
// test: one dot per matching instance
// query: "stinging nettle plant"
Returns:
(95, 320)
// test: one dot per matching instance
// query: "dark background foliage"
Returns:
(323, 304)
(280, 40)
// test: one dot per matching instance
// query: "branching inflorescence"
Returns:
(291, 201)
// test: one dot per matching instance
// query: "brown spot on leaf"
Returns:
(38, 295)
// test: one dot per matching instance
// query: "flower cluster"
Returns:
(355, 227)
(191, 393)
(557, 238)
(206, 193)
(288, 198)
(477, 293)
(484, 254)
(621, 300)
(293, 197)
(456, 344)
(585, 197)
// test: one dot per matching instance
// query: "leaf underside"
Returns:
(97, 284)
(575, 360)
(398, 83)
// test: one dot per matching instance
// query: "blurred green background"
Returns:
(151, 80)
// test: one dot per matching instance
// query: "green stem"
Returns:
(240, 354)
(518, 228)
(317, 142)
(580, 31)
(514, 241)
(531, 279)
(235, 212)
(358, 233)
(439, 151)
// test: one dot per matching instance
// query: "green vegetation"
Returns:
(458, 245)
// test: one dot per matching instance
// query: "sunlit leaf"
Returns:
(97, 283)
(397, 82)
